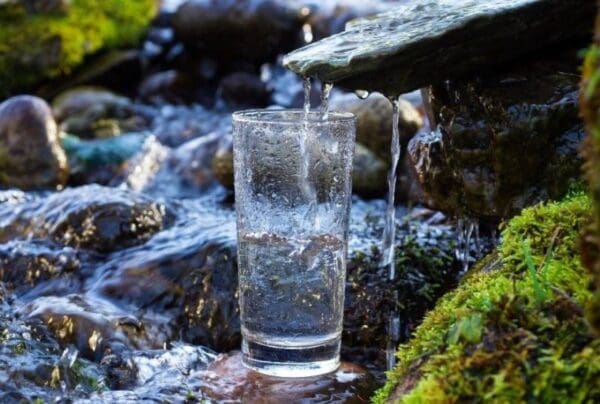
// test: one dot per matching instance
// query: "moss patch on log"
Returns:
(514, 330)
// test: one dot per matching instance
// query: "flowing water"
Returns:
(467, 229)
(325, 93)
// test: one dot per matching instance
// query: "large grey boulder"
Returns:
(427, 41)
(503, 140)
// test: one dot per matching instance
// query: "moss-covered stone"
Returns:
(514, 330)
(590, 107)
(42, 44)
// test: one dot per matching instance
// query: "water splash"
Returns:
(325, 93)
(466, 229)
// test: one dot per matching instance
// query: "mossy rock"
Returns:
(42, 44)
(514, 330)
(590, 108)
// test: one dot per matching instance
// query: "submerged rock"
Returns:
(513, 321)
(250, 30)
(95, 327)
(91, 217)
(99, 161)
(32, 364)
(51, 44)
(428, 41)
(30, 153)
(193, 280)
(503, 140)
(24, 264)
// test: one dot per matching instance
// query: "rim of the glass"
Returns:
(268, 116)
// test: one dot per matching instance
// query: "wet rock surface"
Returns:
(30, 154)
(226, 379)
(425, 42)
(502, 141)
(252, 30)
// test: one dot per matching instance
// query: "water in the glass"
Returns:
(292, 200)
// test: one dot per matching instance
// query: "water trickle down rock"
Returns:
(428, 41)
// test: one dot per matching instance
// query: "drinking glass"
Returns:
(293, 193)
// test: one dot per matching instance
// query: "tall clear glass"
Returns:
(293, 192)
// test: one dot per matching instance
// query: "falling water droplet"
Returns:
(325, 92)
(307, 85)
(362, 94)
(307, 33)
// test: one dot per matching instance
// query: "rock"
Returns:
(502, 323)
(243, 90)
(47, 46)
(369, 173)
(193, 281)
(169, 86)
(227, 379)
(186, 171)
(35, 366)
(99, 161)
(505, 140)
(91, 217)
(222, 163)
(176, 124)
(93, 326)
(374, 121)
(330, 17)
(24, 264)
(30, 153)
(92, 112)
(426, 42)
(117, 70)
(251, 30)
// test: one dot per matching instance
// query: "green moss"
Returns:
(42, 46)
(495, 338)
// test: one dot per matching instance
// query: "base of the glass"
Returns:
(292, 362)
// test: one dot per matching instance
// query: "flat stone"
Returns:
(427, 41)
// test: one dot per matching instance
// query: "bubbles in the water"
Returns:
(362, 94)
